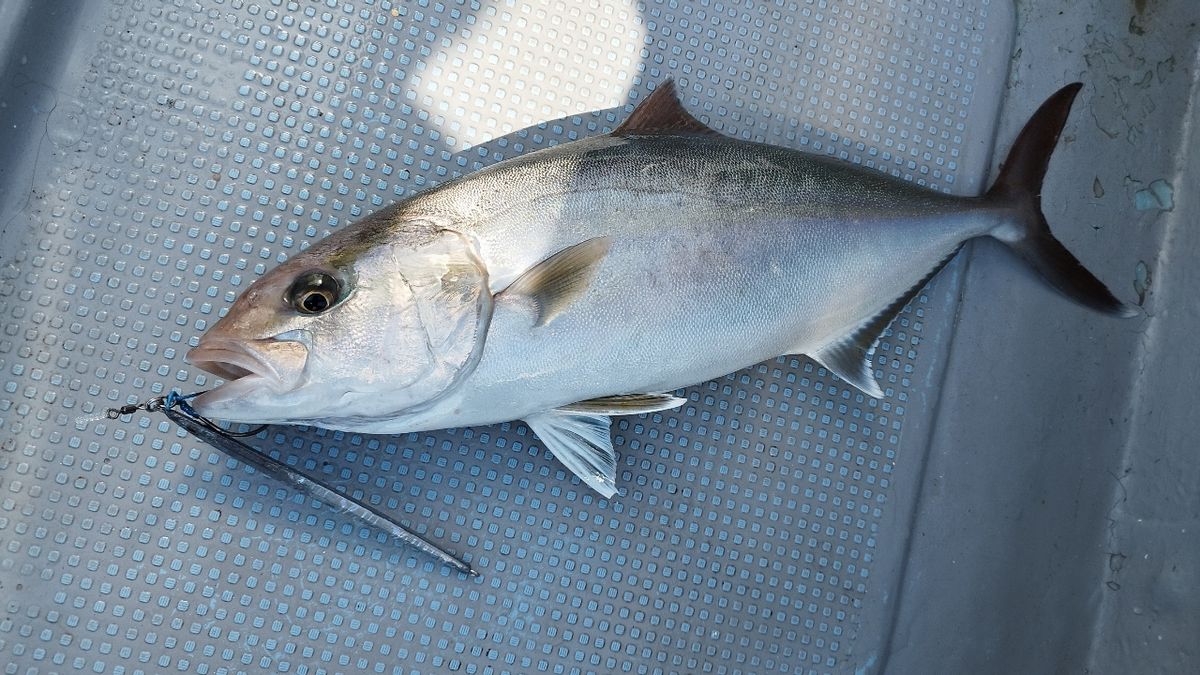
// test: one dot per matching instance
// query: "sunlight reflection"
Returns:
(507, 68)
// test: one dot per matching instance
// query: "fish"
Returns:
(598, 277)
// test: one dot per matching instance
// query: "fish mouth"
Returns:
(256, 373)
(232, 360)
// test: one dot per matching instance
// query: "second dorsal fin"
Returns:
(661, 113)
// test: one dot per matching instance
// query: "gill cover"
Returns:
(448, 288)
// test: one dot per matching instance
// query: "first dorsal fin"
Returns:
(661, 113)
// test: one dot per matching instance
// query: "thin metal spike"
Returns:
(175, 407)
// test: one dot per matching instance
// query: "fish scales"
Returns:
(702, 280)
(593, 278)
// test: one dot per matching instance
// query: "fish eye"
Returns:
(314, 292)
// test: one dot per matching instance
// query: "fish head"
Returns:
(349, 331)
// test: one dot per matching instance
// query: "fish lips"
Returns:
(250, 369)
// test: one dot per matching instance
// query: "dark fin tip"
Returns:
(661, 113)
(1025, 167)
(1062, 270)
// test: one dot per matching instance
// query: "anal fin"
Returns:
(849, 357)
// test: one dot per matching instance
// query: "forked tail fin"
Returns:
(1019, 188)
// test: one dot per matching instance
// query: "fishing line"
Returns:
(176, 407)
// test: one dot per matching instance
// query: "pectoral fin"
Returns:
(582, 443)
(553, 284)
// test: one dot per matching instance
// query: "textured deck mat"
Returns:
(193, 145)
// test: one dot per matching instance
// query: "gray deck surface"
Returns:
(1027, 498)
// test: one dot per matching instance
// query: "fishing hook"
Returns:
(176, 407)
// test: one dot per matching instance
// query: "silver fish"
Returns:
(593, 278)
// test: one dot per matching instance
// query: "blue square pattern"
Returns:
(205, 142)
